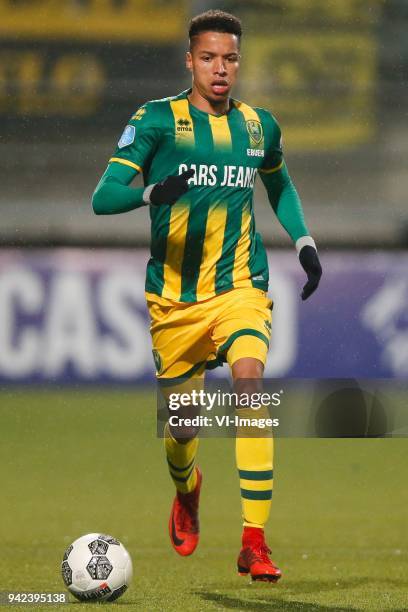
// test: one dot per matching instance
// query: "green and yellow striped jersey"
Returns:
(206, 243)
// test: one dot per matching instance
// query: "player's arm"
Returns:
(113, 195)
(287, 206)
(135, 148)
(285, 200)
(286, 203)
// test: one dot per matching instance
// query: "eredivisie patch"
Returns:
(127, 137)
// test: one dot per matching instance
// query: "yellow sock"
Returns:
(181, 461)
(254, 456)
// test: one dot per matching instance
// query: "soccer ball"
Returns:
(96, 567)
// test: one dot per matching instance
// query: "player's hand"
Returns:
(169, 190)
(311, 265)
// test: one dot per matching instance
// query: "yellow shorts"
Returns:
(190, 337)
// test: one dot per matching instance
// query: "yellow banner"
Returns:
(265, 14)
(321, 87)
(72, 85)
(94, 20)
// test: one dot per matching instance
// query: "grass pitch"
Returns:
(79, 462)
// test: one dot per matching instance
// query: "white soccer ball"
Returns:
(96, 567)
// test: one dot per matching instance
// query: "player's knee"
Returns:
(184, 423)
(245, 389)
(247, 368)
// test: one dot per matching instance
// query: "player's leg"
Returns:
(181, 456)
(254, 447)
(254, 457)
(181, 444)
(243, 333)
(181, 441)
(179, 348)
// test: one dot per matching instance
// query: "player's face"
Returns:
(214, 63)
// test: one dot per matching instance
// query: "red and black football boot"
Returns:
(184, 528)
(254, 557)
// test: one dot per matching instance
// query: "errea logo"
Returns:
(184, 125)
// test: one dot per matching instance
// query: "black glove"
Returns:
(311, 265)
(169, 190)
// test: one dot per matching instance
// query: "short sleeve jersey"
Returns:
(206, 243)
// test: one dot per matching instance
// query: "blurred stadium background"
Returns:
(72, 308)
(72, 72)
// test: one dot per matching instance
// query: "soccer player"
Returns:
(200, 153)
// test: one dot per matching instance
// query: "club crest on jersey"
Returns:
(127, 137)
(184, 125)
(255, 131)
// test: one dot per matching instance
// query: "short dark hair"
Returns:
(215, 21)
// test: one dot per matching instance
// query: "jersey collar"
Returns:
(187, 92)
